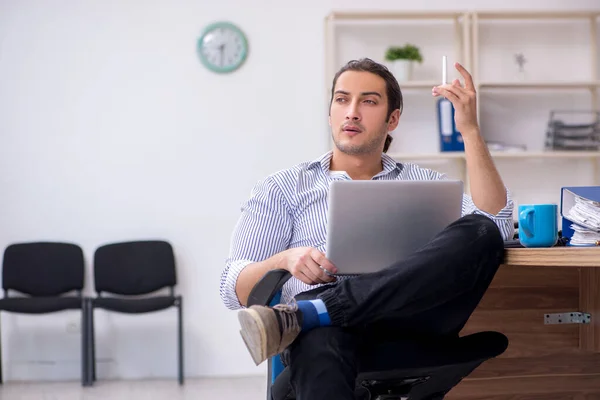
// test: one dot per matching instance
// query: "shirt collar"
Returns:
(389, 164)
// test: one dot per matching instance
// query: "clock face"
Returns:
(222, 47)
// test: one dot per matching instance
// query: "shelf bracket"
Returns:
(567, 318)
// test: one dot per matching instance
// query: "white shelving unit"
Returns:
(561, 72)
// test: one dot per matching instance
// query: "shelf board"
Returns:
(499, 155)
(383, 15)
(342, 15)
(539, 85)
(428, 156)
(536, 14)
(546, 154)
(418, 84)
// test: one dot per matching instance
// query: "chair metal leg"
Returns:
(269, 377)
(180, 338)
(1, 379)
(84, 343)
(88, 347)
(90, 356)
(92, 342)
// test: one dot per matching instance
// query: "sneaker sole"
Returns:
(254, 334)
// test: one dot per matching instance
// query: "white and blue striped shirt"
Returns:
(289, 209)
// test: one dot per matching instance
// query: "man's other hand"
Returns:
(309, 265)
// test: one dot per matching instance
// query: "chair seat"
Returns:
(135, 306)
(425, 354)
(402, 366)
(39, 305)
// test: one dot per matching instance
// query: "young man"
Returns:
(283, 226)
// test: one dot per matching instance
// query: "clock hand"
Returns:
(222, 50)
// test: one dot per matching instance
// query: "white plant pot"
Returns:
(402, 70)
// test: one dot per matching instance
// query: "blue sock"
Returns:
(314, 314)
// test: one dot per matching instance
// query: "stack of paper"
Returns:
(573, 130)
(585, 216)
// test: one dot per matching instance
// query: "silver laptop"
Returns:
(373, 224)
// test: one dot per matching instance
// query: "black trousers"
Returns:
(432, 293)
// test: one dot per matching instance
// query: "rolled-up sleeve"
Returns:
(503, 219)
(263, 230)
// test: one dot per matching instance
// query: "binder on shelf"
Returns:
(580, 206)
(450, 138)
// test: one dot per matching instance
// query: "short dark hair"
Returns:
(392, 88)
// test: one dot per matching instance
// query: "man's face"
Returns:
(358, 113)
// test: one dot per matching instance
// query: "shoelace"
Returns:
(289, 320)
(290, 306)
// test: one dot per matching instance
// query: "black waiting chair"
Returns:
(47, 277)
(407, 369)
(131, 272)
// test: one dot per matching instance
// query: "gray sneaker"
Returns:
(268, 331)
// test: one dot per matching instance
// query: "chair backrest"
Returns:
(43, 268)
(134, 268)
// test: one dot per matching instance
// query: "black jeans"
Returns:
(432, 293)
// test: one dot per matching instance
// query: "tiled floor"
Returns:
(252, 388)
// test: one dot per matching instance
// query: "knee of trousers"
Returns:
(482, 237)
(485, 231)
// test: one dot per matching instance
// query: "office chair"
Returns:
(396, 370)
(44, 273)
(129, 270)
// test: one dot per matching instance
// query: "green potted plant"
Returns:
(402, 60)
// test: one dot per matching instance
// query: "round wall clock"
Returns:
(222, 47)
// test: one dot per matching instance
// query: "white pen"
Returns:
(444, 71)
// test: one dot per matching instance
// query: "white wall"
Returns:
(110, 129)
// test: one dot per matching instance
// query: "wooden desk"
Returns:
(550, 362)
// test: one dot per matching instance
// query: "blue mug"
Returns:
(538, 226)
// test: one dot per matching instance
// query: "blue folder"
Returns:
(567, 200)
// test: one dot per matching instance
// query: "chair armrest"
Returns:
(263, 292)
